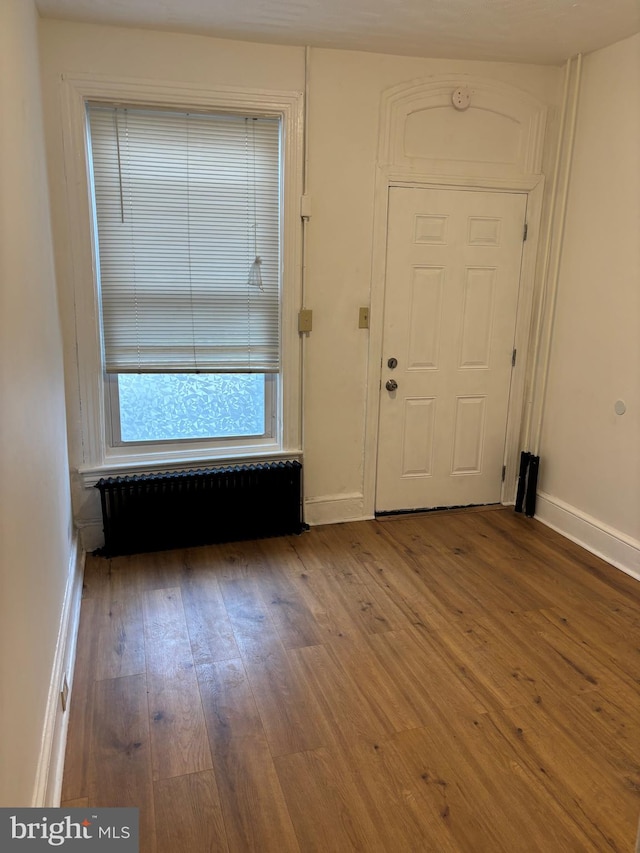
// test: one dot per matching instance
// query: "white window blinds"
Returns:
(188, 222)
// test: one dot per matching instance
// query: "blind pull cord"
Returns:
(255, 271)
(117, 127)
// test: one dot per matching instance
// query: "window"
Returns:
(188, 223)
(105, 441)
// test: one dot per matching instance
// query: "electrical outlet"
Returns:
(64, 693)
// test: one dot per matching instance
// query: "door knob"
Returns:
(391, 385)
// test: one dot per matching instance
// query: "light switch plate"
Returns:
(305, 320)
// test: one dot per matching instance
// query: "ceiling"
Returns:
(539, 31)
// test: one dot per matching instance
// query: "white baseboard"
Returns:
(333, 509)
(54, 736)
(604, 541)
(91, 535)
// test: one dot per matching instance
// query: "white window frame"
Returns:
(99, 458)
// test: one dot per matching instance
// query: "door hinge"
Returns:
(514, 355)
(504, 472)
(525, 232)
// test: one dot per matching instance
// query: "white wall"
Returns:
(35, 515)
(345, 92)
(346, 89)
(590, 457)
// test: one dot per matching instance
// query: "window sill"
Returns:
(123, 468)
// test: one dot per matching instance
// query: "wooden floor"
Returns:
(450, 682)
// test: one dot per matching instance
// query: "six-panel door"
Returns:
(451, 296)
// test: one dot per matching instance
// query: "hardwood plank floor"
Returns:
(178, 733)
(449, 683)
(189, 816)
(120, 753)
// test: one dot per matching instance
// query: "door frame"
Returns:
(533, 187)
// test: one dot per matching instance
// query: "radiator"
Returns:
(154, 512)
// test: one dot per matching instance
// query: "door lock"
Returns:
(391, 385)
(393, 362)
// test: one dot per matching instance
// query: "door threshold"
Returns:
(386, 515)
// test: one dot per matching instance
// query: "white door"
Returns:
(451, 296)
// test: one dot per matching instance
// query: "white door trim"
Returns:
(388, 177)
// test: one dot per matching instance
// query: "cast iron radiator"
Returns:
(154, 512)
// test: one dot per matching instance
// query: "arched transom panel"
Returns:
(500, 133)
